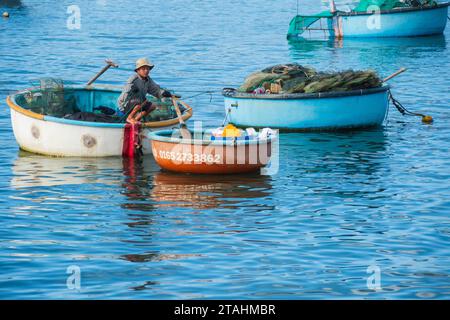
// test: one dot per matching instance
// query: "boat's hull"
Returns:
(328, 112)
(63, 140)
(404, 23)
(212, 158)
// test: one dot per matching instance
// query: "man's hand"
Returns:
(131, 121)
(147, 106)
(166, 94)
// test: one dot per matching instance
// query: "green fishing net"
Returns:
(300, 24)
(47, 97)
(294, 78)
(164, 110)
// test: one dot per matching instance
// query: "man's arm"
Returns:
(154, 89)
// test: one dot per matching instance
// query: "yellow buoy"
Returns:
(427, 119)
(5, 14)
(231, 131)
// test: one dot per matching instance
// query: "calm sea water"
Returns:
(340, 204)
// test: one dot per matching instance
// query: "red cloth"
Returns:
(131, 140)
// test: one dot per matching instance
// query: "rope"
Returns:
(404, 111)
(226, 117)
(199, 94)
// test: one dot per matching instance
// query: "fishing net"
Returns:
(364, 5)
(164, 111)
(276, 74)
(294, 78)
(47, 97)
(301, 23)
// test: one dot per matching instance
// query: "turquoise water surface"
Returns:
(340, 205)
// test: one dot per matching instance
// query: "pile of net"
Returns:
(365, 5)
(294, 78)
(48, 97)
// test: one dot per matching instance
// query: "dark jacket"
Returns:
(135, 91)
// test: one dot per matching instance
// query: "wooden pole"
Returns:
(109, 64)
(332, 6)
(395, 74)
(185, 133)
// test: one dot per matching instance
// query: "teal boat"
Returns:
(373, 18)
(308, 111)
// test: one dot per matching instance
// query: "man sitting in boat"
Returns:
(133, 100)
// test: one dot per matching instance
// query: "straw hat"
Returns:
(143, 62)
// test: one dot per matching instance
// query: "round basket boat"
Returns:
(200, 154)
(308, 112)
(397, 22)
(39, 132)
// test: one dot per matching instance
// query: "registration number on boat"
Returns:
(189, 157)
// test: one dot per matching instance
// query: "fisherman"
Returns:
(133, 99)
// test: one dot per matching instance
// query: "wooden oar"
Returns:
(109, 64)
(185, 133)
(395, 74)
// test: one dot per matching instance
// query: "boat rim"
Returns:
(227, 92)
(393, 11)
(11, 102)
(164, 136)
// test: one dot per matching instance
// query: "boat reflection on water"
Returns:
(161, 192)
(337, 165)
(305, 44)
(435, 41)
(385, 49)
(11, 3)
(301, 48)
(356, 152)
(162, 189)
(137, 183)
(207, 191)
(32, 170)
(144, 185)
(391, 50)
